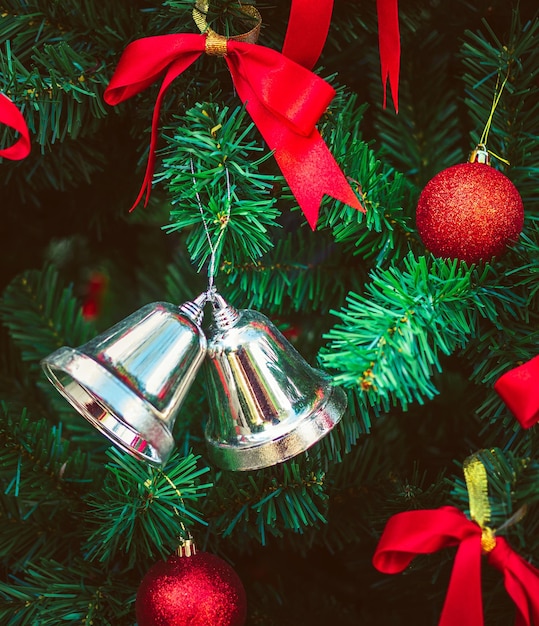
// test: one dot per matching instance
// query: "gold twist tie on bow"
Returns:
(475, 475)
(216, 44)
(477, 485)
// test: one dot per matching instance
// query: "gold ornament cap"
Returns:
(187, 548)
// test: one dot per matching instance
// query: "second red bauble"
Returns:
(198, 590)
(470, 212)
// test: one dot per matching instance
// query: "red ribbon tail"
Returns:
(519, 389)
(173, 71)
(142, 62)
(463, 605)
(390, 47)
(521, 581)
(311, 173)
(285, 107)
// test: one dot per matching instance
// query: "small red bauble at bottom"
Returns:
(199, 590)
(470, 212)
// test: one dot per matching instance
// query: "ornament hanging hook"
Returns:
(186, 546)
(482, 147)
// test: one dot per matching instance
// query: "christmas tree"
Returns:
(414, 337)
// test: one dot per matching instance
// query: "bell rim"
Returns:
(93, 381)
(266, 453)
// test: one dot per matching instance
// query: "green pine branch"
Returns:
(212, 170)
(53, 593)
(300, 269)
(389, 342)
(289, 497)
(143, 512)
(41, 316)
(513, 136)
(42, 478)
(382, 234)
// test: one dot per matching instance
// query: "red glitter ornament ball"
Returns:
(198, 590)
(470, 212)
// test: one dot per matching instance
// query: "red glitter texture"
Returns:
(199, 590)
(470, 212)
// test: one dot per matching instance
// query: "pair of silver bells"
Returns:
(266, 403)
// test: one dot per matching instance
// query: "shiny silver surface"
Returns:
(131, 380)
(267, 403)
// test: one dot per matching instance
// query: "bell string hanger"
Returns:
(211, 290)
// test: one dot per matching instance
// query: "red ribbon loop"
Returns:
(411, 533)
(519, 389)
(284, 99)
(12, 117)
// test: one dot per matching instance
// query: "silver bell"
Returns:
(131, 380)
(267, 403)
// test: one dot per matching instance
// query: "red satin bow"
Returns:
(12, 117)
(411, 533)
(519, 389)
(284, 99)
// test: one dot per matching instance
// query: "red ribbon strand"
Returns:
(307, 31)
(12, 117)
(284, 99)
(390, 47)
(519, 389)
(412, 533)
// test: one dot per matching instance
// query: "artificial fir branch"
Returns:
(290, 497)
(383, 232)
(389, 343)
(143, 511)
(516, 59)
(293, 273)
(37, 459)
(366, 478)
(214, 181)
(54, 594)
(42, 315)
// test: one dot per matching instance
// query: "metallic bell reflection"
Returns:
(131, 380)
(267, 403)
